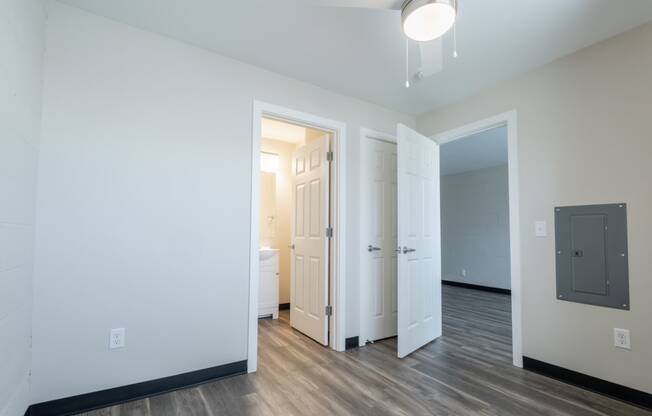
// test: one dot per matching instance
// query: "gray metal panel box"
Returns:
(591, 245)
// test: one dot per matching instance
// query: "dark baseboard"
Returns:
(597, 385)
(353, 342)
(283, 306)
(97, 400)
(477, 287)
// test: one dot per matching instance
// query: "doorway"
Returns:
(294, 216)
(507, 120)
(297, 223)
(373, 283)
(475, 243)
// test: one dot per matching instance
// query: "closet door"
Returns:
(379, 239)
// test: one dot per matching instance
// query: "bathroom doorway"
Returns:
(294, 219)
(296, 213)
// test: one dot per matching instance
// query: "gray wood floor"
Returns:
(466, 372)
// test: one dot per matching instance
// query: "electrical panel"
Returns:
(591, 255)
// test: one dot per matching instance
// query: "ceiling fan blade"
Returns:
(361, 4)
(432, 57)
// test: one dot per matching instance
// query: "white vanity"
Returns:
(268, 283)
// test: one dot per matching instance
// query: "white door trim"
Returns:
(510, 120)
(338, 222)
(366, 134)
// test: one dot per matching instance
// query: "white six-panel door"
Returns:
(419, 266)
(309, 258)
(379, 238)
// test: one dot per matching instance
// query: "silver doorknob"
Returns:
(371, 248)
(408, 250)
(291, 246)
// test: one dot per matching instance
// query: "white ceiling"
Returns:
(360, 52)
(478, 151)
(285, 132)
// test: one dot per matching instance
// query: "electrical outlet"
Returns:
(463, 272)
(622, 339)
(117, 338)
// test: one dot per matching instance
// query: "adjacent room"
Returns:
(325, 207)
(475, 233)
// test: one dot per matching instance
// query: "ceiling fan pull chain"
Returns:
(407, 63)
(455, 55)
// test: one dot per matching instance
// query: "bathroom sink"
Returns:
(266, 253)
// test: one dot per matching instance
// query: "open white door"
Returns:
(419, 238)
(310, 219)
(379, 237)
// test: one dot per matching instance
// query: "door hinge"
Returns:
(329, 310)
(329, 232)
(329, 156)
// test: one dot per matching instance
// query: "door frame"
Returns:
(365, 284)
(337, 283)
(508, 119)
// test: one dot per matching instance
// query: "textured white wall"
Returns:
(21, 43)
(584, 127)
(475, 227)
(143, 205)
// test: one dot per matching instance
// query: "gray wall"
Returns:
(143, 213)
(475, 227)
(21, 43)
(584, 129)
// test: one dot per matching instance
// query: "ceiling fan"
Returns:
(424, 21)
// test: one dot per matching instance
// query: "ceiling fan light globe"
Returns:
(426, 20)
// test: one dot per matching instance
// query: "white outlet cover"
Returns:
(622, 338)
(117, 338)
(540, 229)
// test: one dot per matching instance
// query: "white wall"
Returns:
(584, 128)
(21, 45)
(144, 198)
(475, 227)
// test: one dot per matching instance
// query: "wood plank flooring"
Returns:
(466, 372)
